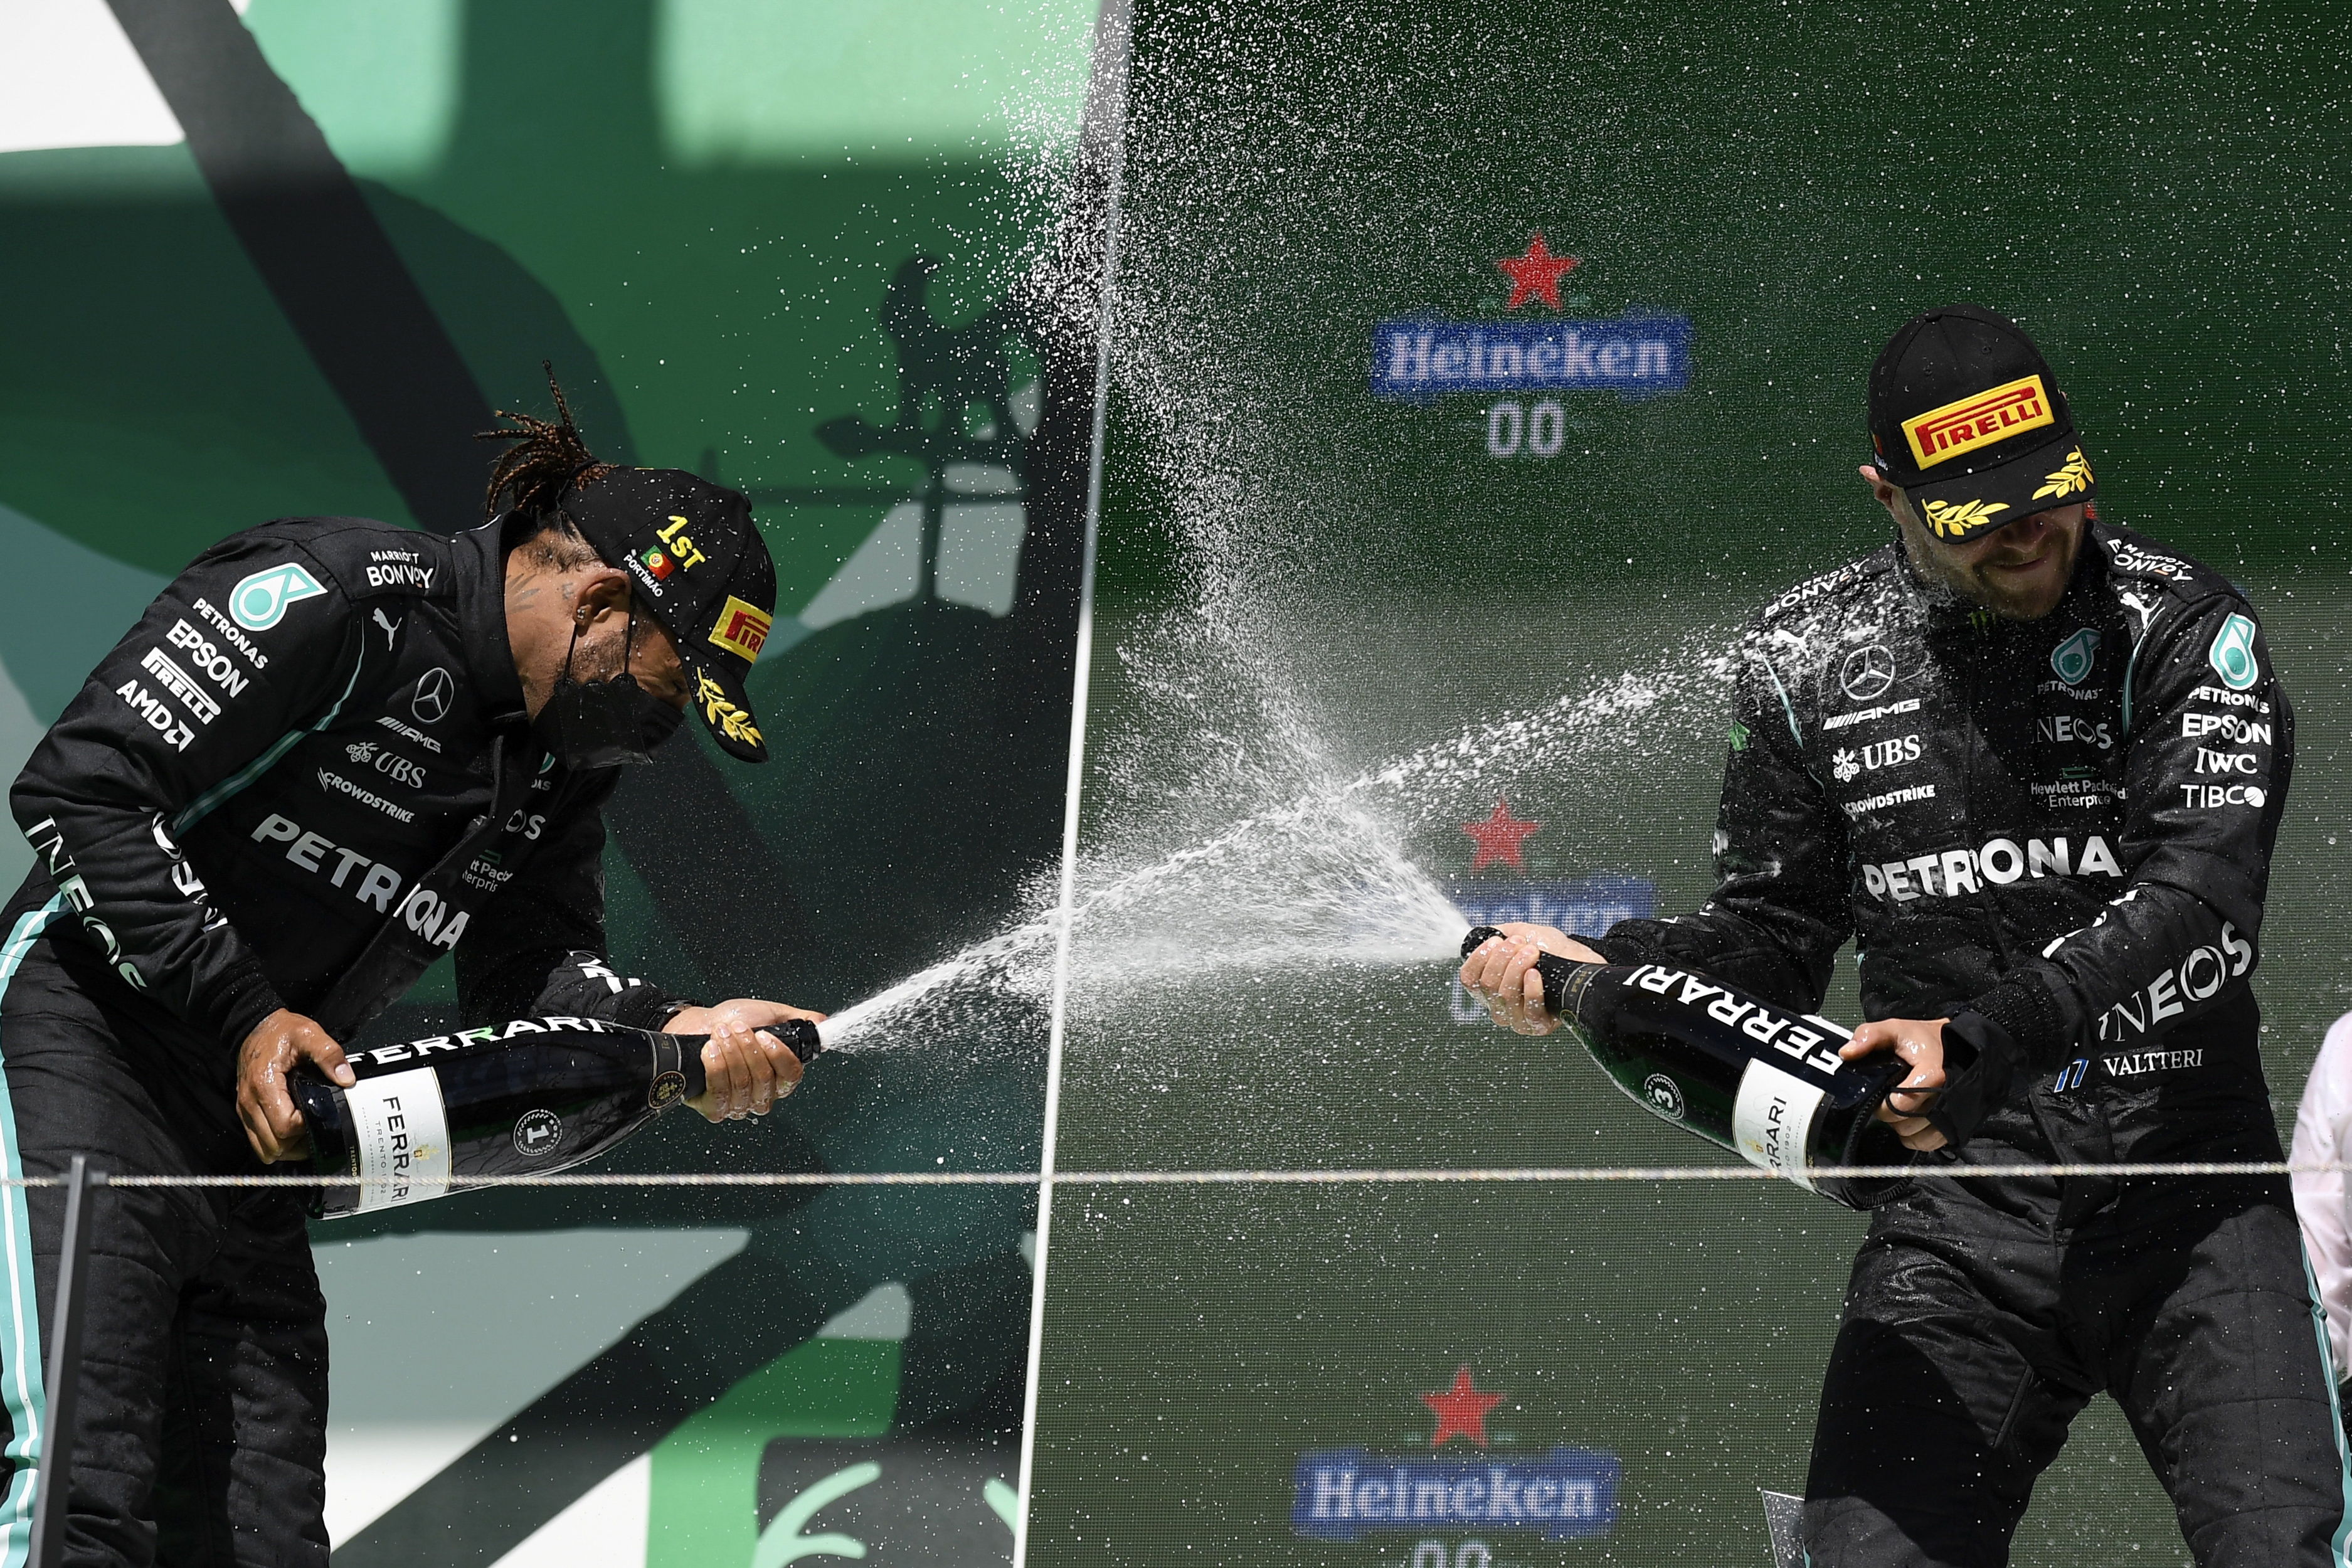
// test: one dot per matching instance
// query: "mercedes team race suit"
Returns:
(2057, 834)
(302, 777)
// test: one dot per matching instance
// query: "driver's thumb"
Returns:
(328, 1057)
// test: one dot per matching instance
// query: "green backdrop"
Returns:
(1303, 585)
(284, 259)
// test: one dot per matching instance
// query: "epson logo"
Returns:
(217, 665)
(231, 633)
(2240, 731)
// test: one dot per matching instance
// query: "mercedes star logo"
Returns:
(1868, 672)
(433, 693)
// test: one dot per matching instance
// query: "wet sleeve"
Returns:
(538, 947)
(2212, 744)
(1781, 908)
(247, 650)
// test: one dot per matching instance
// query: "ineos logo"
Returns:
(1868, 672)
(434, 689)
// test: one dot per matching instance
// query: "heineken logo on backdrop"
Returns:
(1586, 906)
(1529, 348)
(1467, 1480)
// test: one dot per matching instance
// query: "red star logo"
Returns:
(1499, 837)
(1461, 1411)
(1536, 275)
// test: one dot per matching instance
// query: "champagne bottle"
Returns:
(1756, 1079)
(534, 1096)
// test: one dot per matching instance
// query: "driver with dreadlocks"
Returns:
(331, 752)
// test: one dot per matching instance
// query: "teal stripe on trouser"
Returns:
(2339, 1545)
(21, 1392)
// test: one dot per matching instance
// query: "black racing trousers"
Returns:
(203, 1391)
(1971, 1337)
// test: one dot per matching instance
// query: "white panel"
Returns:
(605, 1529)
(884, 1313)
(439, 1339)
(886, 570)
(69, 77)
(979, 553)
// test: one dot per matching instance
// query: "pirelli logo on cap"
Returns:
(742, 629)
(1958, 428)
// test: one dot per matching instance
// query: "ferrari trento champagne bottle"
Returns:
(1765, 1083)
(532, 1096)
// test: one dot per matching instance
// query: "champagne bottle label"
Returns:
(1772, 1118)
(399, 1137)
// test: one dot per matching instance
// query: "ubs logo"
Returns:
(1867, 672)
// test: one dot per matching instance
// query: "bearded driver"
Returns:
(2033, 764)
(332, 751)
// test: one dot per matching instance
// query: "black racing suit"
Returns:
(301, 778)
(2057, 834)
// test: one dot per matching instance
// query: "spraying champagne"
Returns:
(1763, 1082)
(533, 1096)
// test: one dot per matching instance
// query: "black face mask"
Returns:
(604, 723)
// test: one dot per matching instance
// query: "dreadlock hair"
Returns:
(531, 477)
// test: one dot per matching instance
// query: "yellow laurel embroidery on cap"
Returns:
(720, 712)
(2074, 476)
(1952, 519)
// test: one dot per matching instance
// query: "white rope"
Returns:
(1357, 1176)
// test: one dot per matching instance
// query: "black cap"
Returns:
(1966, 416)
(700, 568)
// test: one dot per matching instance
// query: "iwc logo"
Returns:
(666, 1089)
(537, 1134)
(1664, 1095)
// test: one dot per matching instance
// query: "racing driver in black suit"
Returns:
(331, 752)
(2034, 765)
